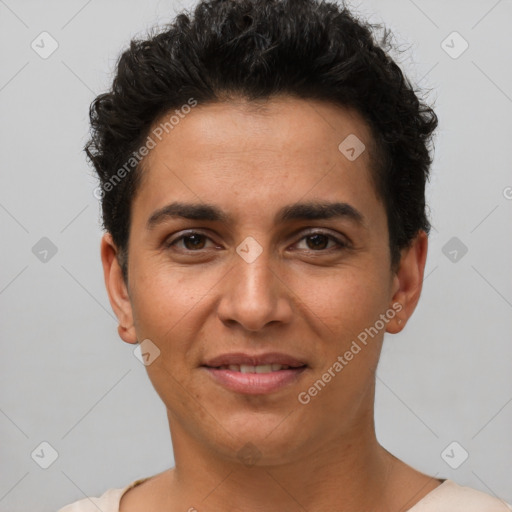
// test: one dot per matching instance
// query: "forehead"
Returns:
(248, 155)
(284, 122)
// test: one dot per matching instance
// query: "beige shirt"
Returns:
(447, 497)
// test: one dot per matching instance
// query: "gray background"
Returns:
(68, 379)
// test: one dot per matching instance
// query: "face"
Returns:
(277, 253)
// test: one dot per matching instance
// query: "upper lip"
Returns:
(238, 358)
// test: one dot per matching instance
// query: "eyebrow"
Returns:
(313, 210)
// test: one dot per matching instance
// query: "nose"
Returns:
(255, 295)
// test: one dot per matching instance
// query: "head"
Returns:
(241, 111)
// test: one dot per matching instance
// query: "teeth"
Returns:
(262, 368)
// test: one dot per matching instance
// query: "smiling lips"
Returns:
(254, 374)
(261, 368)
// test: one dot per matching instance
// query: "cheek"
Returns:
(163, 296)
(345, 301)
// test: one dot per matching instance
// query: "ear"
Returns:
(117, 290)
(408, 282)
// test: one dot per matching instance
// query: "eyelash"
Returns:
(340, 244)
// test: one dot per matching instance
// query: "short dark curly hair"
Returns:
(259, 49)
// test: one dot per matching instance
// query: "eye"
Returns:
(192, 241)
(319, 241)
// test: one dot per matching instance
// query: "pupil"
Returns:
(317, 237)
(196, 244)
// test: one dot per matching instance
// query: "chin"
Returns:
(261, 439)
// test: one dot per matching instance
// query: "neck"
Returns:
(347, 470)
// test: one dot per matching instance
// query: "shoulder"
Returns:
(451, 497)
(107, 502)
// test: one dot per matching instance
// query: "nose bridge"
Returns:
(253, 295)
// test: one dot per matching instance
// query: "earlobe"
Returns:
(117, 289)
(408, 281)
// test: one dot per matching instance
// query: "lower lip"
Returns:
(255, 383)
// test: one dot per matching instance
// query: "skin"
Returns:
(199, 298)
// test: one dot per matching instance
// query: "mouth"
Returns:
(261, 368)
(254, 375)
